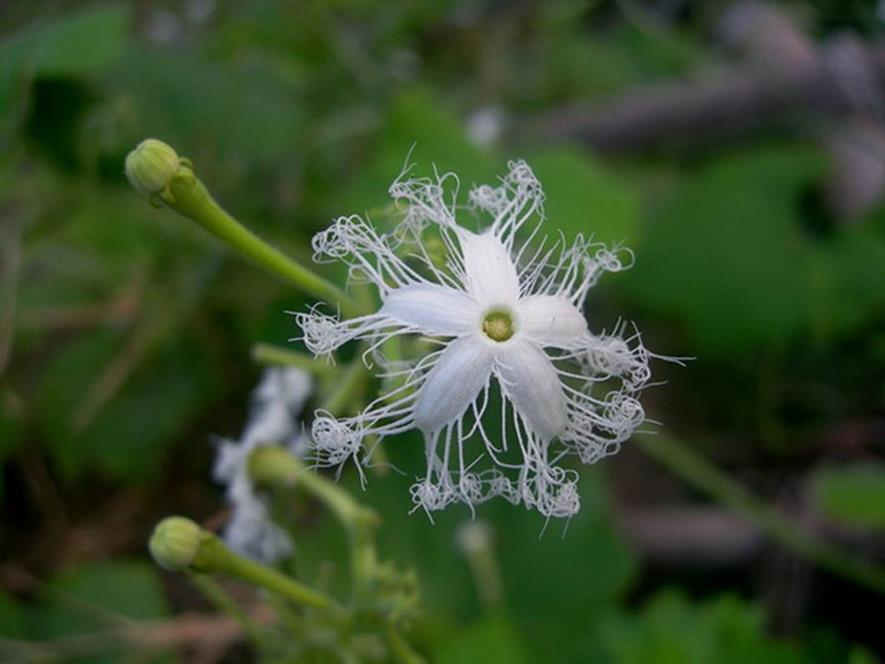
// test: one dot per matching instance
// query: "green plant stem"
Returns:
(400, 648)
(342, 398)
(223, 601)
(703, 475)
(215, 557)
(187, 195)
(274, 355)
(275, 466)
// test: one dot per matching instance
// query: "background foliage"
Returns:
(125, 333)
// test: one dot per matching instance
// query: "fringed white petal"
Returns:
(516, 200)
(324, 334)
(529, 379)
(489, 272)
(551, 321)
(453, 384)
(356, 243)
(434, 310)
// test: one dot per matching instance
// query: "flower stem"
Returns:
(703, 475)
(187, 195)
(400, 648)
(155, 169)
(275, 466)
(227, 562)
(347, 389)
(270, 354)
(223, 601)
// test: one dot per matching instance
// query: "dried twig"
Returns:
(732, 103)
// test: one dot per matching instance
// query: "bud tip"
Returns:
(151, 166)
(175, 543)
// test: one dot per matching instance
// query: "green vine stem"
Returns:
(178, 544)
(346, 392)
(270, 354)
(400, 648)
(213, 591)
(705, 476)
(275, 466)
(155, 169)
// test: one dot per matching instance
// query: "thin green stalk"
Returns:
(400, 648)
(276, 466)
(352, 381)
(222, 600)
(276, 582)
(155, 169)
(274, 355)
(187, 195)
(179, 544)
(705, 476)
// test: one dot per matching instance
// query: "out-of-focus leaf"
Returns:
(584, 197)
(729, 258)
(70, 45)
(556, 588)
(242, 111)
(11, 424)
(853, 495)
(97, 597)
(670, 629)
(127, 436)
(76, 44)
(557, 592)
(418, 122)
(13, 620)
(726, 255)
(612, 61)
(492, 640)
(851, 287)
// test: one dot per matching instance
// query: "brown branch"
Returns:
(195, 631)
(730, 104)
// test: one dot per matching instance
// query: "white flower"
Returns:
(502, 310)
(274, 420)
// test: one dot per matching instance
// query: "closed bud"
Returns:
(175, 543)
(151, 166)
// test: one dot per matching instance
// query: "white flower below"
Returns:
(274, 419)
(504, 312)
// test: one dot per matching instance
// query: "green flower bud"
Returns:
(151, 166)
(175, 543)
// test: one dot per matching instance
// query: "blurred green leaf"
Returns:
(851, 287)
(99, 597)
(491, 640)
(584, 197)
(417, 125)
(726, 255)
(236, 110)
(559, 584)
(70, 45)
(13, 619)
(853, 495)
(729, 257)
(671, 630)
(126, 437)
(558, 581)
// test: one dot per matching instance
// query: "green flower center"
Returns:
(498, 325)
